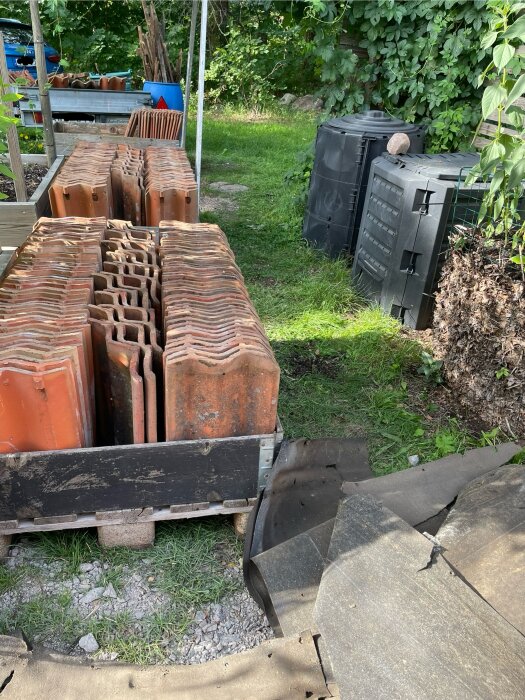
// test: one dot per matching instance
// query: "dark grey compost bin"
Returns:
(411, 204)
(344, 150)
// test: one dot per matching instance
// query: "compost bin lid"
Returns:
(373, 121)
(439, 166)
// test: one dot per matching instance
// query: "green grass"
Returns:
(347, 369)
(42, 619)
(186, 564)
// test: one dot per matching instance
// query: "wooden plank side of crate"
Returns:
(16, 222)
(66, 142)
(44, 484)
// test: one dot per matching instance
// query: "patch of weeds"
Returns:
(139, 642)
(112, 576)
(134, 649)
(451, 439)
(127, 637)
(10, 578)
(490, 438)
(70, 547)
(44, 618)
(431, 368)
(185, 562)
(518, 458)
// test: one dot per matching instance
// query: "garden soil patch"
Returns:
(479, 332)
(34, 175)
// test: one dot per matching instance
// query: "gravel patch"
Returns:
(234, 625)
(217, 204)
(227, 187)
(104, 606)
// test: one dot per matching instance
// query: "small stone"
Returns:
(109, 591)
(413, 460)
(151, 579)
(88, 643)
(200, 616)
(138, 615)
(398, 144)
(84, 568)
(287, 99)
(92, 595)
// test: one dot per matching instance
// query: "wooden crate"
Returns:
(131, 485)
(68, 134)
(17, 218)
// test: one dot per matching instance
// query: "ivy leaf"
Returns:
(502, 54)
(488, 40)
(493, 96)
(4, 170)
(516, 30)
(517, 90)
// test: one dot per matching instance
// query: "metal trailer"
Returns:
(87, 105)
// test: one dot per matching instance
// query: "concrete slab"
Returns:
(281, 668)
(484, 540)
(419, 494)
(398, 623)
(303, 491)
(288, 576)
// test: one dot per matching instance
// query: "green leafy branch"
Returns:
(502, 160)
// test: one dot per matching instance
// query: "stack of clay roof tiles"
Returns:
(147, 123)
(127, 354)
(81, 353)
(141, 186)
(46, 369)
(126, 181)
(220, 376)
(171, 190)
(82, 187)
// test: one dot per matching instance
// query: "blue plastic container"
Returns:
(171, 92)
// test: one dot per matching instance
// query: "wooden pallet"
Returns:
(132, 527)
(123, 490)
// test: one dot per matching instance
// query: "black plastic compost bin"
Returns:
(411, 204)
(344, 150)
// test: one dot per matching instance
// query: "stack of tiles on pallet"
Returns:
(147, 123)
(141, 186)
(220, 376)
(82, 187)
(127, 171)
(126, 350)
(46, 369)
(170, 187)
